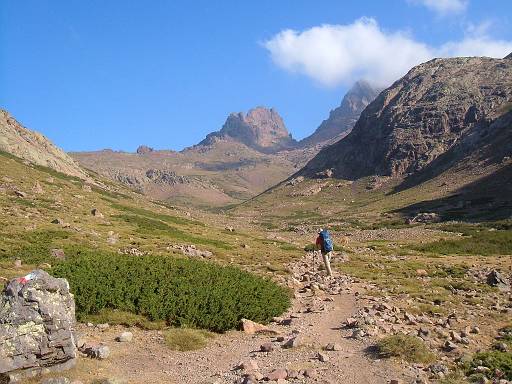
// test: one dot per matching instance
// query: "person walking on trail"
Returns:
(324, 243)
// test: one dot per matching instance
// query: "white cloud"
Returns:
(340, 54)
(476, 46)
(444, 7)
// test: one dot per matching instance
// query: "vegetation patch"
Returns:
(33, 247)
(496, 361)
(128, 319)
(187, 339)
(156, 216)
(151, 226)
(111, 194)
(406, 347)
(476, 240)
(183, 292)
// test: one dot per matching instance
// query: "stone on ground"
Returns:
(250, 327)
(125, 337)
(277, 374)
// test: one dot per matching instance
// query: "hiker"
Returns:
(324, 243)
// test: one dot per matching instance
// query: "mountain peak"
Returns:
(509, 56)
(343, 118)
(261, 128)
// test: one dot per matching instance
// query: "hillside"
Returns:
(222, 173)
(34, 147)
(439, 106)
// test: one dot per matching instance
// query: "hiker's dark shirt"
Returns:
(320, 243)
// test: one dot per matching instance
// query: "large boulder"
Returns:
(37, 318)
(496, 279)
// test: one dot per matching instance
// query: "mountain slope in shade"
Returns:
(34, 147)
(422, 116)
(342, 119)
(261, 129)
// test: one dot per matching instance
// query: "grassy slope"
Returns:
(27, 232)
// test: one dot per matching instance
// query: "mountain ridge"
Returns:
(420, 117)
(34, 147)
(342, 119)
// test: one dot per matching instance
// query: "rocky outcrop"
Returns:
(342, 119)
(261, 129)
(37, 317)
(163, 176)
(144, 149)
(34, 147)
(434, 108)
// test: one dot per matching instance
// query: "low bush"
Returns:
(186, 339)
(32, 247)
(406, 347)
(183, 292)
(496, 361)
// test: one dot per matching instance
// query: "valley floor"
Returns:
(316, 318)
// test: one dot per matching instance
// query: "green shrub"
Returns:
(183, 292)
(186, 339)
(34, 247)
(494, 360)
(406, 347)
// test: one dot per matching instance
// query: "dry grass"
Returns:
(408, 348)
(128, 319)
(187, 339)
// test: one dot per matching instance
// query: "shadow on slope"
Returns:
(488, 198)
(485, 145)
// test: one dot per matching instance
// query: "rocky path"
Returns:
(315, 321)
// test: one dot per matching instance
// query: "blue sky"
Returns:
(115, 74)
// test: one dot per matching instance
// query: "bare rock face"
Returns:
(261, 129)
(342, 119)
(37, 317)
(34, 147)
(509, 56)
(435, 107)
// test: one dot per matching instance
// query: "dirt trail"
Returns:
(316, 316)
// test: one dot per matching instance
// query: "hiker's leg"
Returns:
(327, 262)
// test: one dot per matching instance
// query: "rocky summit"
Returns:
(261, 129)
(343, 118)
(34, 147)
(435, 107)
